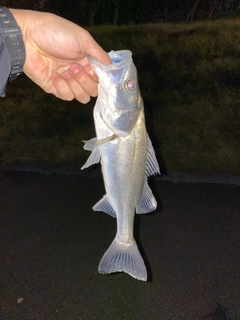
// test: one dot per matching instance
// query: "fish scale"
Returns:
(127, 158)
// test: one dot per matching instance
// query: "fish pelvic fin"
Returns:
(93, 158)
(152, 166)
(105, 206)
(147, 202)
(122, 257)
(94, 146)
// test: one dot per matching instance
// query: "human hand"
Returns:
(56, 52)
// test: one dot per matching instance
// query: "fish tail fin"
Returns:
(123, 258)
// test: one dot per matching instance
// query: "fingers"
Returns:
(78, 82)
(62, 89)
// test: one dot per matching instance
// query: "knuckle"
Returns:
(81, 77)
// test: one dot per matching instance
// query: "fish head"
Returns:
(118, 93)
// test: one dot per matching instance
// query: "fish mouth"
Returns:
(120, 60)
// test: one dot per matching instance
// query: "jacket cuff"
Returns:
(12, 49)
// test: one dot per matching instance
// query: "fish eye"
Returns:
(130, 84)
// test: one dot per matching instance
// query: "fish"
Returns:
(127, 158)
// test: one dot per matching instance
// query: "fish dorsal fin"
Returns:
(105, 206)
(152, 166)
(147, 201)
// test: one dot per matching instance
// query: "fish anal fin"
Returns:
(147, 202)
(152, 166)
(123, 258)
(105, 206)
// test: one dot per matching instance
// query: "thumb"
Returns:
(97, 52)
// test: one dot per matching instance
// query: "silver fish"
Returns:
(127, 158)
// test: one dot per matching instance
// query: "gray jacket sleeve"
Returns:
(5, 65)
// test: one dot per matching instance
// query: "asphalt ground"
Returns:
(52, 242)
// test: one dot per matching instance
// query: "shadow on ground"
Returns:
(52, 242)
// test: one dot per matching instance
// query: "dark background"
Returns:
(95, 12)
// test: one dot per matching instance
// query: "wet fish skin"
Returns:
(127, 159)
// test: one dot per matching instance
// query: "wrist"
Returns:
(20, 18)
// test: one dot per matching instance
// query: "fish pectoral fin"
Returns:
(93, 158)
(152, 166)
(122, 257)
(105, 206)
(147, 202)
(93, 143)
(89, 144)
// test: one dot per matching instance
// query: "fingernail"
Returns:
(75, 68)
(55, 75)
(67, 74)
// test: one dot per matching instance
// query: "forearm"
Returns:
(24, 18)
(12, 50)
(5, 65)
(20, 17)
